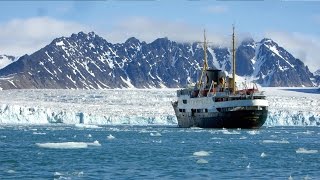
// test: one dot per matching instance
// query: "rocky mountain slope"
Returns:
(87, 61)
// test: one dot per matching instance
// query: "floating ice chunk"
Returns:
(195, 128)
(39, 133)
(89, 135)
(155, 134)
(63, 145)
(263, 155)
(224, 131)
(2, 136)
(305, 151)
(248, 166)
(243, 137)
(57, 174)
(254, 132)
(11, 171)
(216, 138)
(87, 126)
(275, 141)
(95, 143)
(201, 153)
(290, 178)
(157, 141)
(110, 137)
(202, 161)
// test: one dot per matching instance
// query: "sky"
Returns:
(26, 26)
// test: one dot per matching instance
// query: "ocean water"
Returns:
(158, 152)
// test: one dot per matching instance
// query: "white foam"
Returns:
(201, 153)
(305, 151)
(275, 141)
(243, 137)
(63, 145)
(202, 161)
(155, 134)
(110, 137)
(263, 155)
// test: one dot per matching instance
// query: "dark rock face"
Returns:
(87, 61)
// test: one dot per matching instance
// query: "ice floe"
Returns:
(68, 145)
(306, 151)
(202, 161)
(276, 141)
(155, 134)
(110, 137)
(201, 153)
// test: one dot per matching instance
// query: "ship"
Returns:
(215, 101)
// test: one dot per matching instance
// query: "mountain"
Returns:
(317, 77)
(5, 60)
(87, 61)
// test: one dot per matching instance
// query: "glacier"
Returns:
(287, 106)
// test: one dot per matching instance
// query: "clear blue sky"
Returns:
(290, 23)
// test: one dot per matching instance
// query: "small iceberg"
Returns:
(95, 143)
(263, 155)
(275, 141)
(248, 166)
(63, 145)
(155, 134)
(40, 133)
(110, 137)
(202, 161)
(305, 151)
(88, 126)
(201, 153)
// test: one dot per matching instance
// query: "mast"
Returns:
(233, 62)
(205, 64)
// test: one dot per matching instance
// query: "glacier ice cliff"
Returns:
(287, 107)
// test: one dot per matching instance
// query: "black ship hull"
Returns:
(245, 119)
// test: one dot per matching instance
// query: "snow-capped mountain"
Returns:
(87, 61)
(5, 60)
(317, 77)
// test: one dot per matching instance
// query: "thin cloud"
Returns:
(216, 9)
(24, 36)
(302, 46)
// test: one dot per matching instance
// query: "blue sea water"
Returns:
(158, 152)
